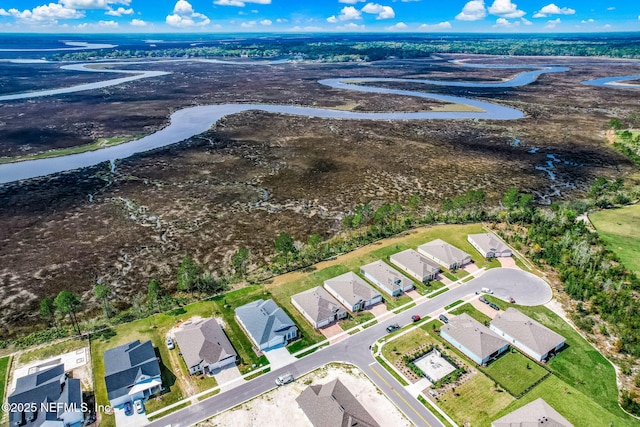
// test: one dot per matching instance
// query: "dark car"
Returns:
(484, 300)
(415, 317)
(443, 318)
(393, 327)
(511, 300)
(494, 306)
(128, 409)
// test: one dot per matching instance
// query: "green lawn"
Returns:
(476, 402)
(473, 312)
(394, 349)
(356, 319)
(620, 229)
(52, 350)
(453, 304)
(515, 372)
(4, 366)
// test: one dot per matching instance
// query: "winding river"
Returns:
(192, 121)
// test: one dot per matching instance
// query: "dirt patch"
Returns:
(278, 407)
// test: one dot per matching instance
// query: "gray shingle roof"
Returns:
(203, 340)
(49, 385)
(386, 275)
(124, 365)
(535, 414)
(318, 304)
(352, 288)
(332, 405)
(418, 264)
(472, 334)
(532, 334)
(444, 251)
(264, 320)
(489, 242)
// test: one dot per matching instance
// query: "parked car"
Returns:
(484, 300)
(415, 317)
(511, 300)
(170, 343)
(486, 291)
(443, 318)
(494, 306)
(393, 327)
(138, 406)
(284, 379)
(128, 409)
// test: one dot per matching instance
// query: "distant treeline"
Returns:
(371, 50)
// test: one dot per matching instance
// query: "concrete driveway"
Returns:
(134, 420)
(279, 357)
(524, 287)
(227, 378)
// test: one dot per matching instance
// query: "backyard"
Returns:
(515, 372)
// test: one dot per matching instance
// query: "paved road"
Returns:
(355, 350)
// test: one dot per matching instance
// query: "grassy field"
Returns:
(515, 372)
(101, 143)
(4, 365)
(52, 350)
(393, 350)
(473, 312)
(620, 229)
(475, 402)
(355, 319)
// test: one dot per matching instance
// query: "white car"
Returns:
(170, 344)
(284, 379)
(138, 406)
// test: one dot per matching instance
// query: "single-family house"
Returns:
(46, 398)
(534, 414)
(333, 405)
(386, 278)
(416, 265)
(445, 254)
(521, 331)
(266, 324)
(318, 307)
(352, 291)
(132, 372)
(475, 340)
(489, 245)
(205, 347)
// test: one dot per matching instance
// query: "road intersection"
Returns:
(356, 350)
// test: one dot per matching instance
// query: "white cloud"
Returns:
(525, 21)
(505, 9)
(398, 26)
(266, 22)
(439, 26)
(505, 23)
(351, 1)
(108, 24)
(606, 26)
(119, 11)
(240, 3)
(184, 16)
(638, 17)
(553, 23)
(138, 23)
(50, 14)
(92, 4)
(552, 9)
(309, 29)
(248, 24)
(587, 21)
(383, 12)
(351, 26)
(282, 20)
(611, 8)
(348, 13)
(472, 11)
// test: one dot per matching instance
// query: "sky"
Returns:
(282, 16)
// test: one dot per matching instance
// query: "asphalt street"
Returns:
(355, 349)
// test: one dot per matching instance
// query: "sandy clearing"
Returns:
(278, 407)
